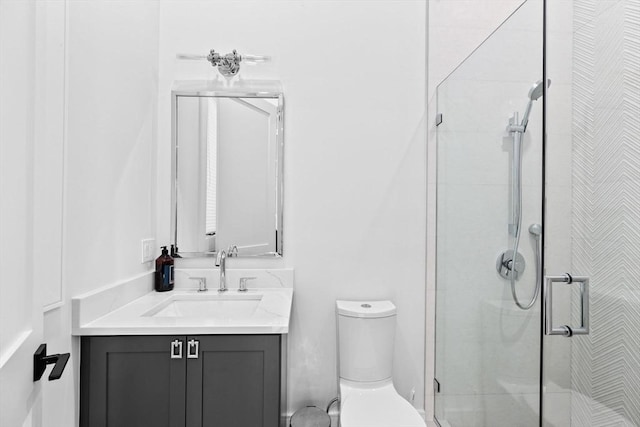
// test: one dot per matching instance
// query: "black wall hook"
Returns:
(41, 360)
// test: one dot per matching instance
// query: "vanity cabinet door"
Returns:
(234, 381)
(132, 382)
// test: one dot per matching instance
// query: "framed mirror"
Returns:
(227, 165)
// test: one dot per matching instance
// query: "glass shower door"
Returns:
(573, 357)
(487, 348)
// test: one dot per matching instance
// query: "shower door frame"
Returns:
(543, 217)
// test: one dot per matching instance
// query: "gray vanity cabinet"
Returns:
(234, 382)
(206, 381)
(131, 381)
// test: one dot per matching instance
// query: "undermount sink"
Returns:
(220, 306)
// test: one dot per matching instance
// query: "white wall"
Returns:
(111, 139)
(353, 76)
(109, 166)
(457, 27)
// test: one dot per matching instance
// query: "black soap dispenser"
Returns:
(164, 272)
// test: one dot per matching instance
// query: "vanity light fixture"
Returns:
(229, 64)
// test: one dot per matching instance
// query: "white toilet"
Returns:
(366, 331)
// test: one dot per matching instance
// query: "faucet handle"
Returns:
(202, 283)
(232, 251)
(243, 283)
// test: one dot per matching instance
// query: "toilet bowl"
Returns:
(368, 398)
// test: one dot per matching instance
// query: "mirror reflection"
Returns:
(227, 166)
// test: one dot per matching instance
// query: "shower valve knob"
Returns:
(506, 267)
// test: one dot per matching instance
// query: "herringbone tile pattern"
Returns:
(606, 210)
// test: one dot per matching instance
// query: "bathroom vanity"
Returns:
(191, 358)
(186, 358)
(201, 380)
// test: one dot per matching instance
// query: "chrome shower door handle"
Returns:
(566, 330)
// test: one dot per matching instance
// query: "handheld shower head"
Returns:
(534, 94)
(536, 91)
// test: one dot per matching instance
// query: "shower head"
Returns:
(536, 91)
(534, 94)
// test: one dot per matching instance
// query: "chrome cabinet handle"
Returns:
(193, 349)
(176, 349)
(566, 330)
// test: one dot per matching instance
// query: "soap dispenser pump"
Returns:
(164, 271)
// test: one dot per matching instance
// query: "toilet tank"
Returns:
(366, 332)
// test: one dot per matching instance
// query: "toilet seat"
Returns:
(375, 405)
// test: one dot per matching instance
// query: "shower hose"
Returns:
(516, 241)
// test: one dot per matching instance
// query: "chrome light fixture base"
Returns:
(228, 64)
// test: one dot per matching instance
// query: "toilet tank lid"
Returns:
(371, 309)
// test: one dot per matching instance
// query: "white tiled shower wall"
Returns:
(605, 369)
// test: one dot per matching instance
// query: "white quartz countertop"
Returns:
(152, 314)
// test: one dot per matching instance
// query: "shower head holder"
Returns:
(514, 124)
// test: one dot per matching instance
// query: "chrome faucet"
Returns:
(221, 262)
